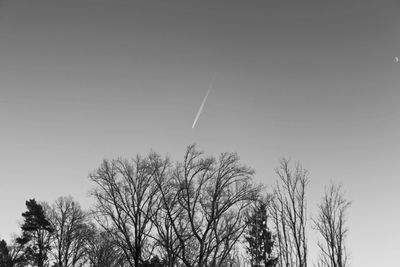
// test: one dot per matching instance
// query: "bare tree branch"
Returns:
(289, 214)
(330, 223)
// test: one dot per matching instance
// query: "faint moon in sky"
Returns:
(396, 59)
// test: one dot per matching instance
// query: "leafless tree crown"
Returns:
(289, 214)
(331, 224)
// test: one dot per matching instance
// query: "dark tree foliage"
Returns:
(5, 257)
(11, 255)
(36, 231)
(154, 262)
(259, 237)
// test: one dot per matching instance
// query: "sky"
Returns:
(313, 81)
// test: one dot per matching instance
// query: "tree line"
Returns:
(200, 211)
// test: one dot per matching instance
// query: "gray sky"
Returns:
(316, 81)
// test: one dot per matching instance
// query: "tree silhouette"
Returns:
(11, 255)
(331, 224)
(259, 237)
(125, 196)
(102, 251)
(70, 225)
(5, 257)
(288, 212)
(207, 199)
(36, 231)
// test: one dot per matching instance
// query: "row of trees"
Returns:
(201, 211)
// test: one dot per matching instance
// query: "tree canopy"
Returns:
(201, 211)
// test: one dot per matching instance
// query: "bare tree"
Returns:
(330, 223)
(125, 203)
(102, 251)
(70, 224)
(288, 212)
(169, 219)
(207, 197)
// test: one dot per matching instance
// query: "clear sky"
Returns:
(316, 81)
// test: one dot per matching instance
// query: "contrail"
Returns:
(202, 103)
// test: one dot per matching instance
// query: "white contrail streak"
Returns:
(202, 103)
(200, 109)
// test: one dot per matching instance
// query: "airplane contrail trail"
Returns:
(202, 103)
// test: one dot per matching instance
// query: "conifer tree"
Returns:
(5, 258)
(36, 231)
(259, 238)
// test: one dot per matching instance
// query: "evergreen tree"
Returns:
(259, 238)
(36, 231)
(5, 258)
(11, 255)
